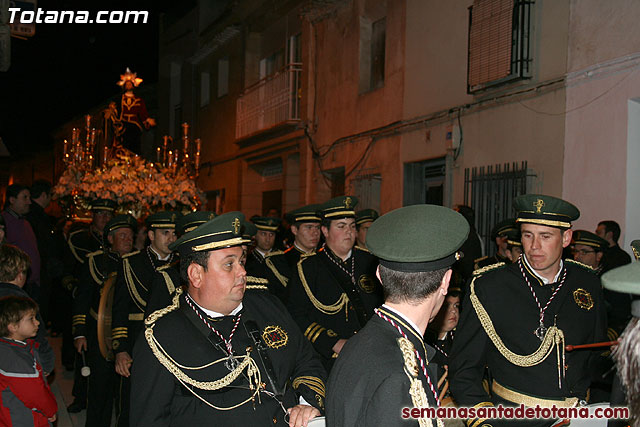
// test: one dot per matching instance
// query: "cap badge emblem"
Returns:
(347, 202)
(539, 204)
(236, 225)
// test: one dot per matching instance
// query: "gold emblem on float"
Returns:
(275, 336)
(583, 299)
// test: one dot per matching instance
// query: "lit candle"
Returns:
(65, 149)
(105, 155)
(170, 159)
(157, 154)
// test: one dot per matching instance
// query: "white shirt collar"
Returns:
(300, 249)
(405, 318)
(264, 254)
(158, 255)
(214, 314)
(544, 280)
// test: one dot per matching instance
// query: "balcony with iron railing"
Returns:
(269, 103)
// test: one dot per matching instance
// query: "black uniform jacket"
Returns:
(321, 282)
(98, 267)
(159, 398)
(281, 267)
(135, 277)
(577, 309)
(368, 385)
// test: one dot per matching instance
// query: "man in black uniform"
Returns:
(336, 290)
(499, 235)
(614, 255)
(386, 366)
(265, 241)
(135, 275)
(305, 226)
(518, 317)
(167, 277)
(99, 266)
(81, 243)
(364, 219)
(248, 364)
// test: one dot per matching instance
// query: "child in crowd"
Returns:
(25, 396)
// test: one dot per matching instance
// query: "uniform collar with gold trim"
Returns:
(539, 277)
(410, 326)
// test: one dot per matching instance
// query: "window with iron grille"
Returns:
(490, 190)
(499, 38)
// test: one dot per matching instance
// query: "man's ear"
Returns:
(444, 283)
(378, 273)
(195, 273)
(325, 231)
(110, 238)
(566, 237)
(151, 235)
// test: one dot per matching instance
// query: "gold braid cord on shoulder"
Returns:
(275, 272)
(553, 336)
(332, 309)
(177, 370)
(416, 390)
(131, 279)
(167, 280)
(93, 269)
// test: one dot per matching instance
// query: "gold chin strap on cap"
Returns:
(246, 363)
(553, 336)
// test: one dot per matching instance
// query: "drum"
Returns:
(317, 422)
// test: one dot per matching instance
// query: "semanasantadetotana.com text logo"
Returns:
(41, 16)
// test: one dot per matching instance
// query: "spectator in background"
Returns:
(471, 249)
(614, 255)
(42, 225)
(14, 265)
(19, 233)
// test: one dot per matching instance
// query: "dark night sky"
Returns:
(65, 69)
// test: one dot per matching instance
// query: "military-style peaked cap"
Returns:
(248, 230)
(513, 237)
(164, 219)
(339, 207)
(587, 238)
(626, 280)
(266, 223)
(307, 213)
(192, 220)
(103, 205)
(120, 221)
(221, 232)
(545, 210)
(366, 215)
(503, 227)
(418, 238)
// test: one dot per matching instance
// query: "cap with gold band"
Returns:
(339, 207)
(545, 210)
(366, 215)
(249, 230)
(163, 219)
(120, 221)
(104, 205)
(223, 231)
(192, 220)
(513, 237)
(266, 223)
(307, 213)
(587, 238)
(503, 227)
(418, 238)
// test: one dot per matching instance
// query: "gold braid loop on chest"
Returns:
(335, 308)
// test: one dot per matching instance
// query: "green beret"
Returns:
(339, 207)
(626, 280)
(418, 238)
(164, 219)
(266, 223)
(103, 205)
(307, 213)
(366, 215)
(248, 230)
(587, 238)
(192, 220)
(503, 227)
(223, 231)
(120, 221)
(545, 210)
(635, 247)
